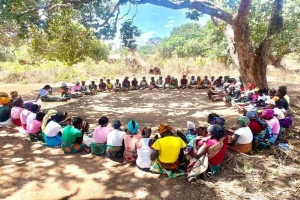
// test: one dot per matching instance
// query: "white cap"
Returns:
(63, 84)
(190, 125)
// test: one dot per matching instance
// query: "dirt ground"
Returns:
(33, 171)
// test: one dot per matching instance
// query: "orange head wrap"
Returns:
(163, 128)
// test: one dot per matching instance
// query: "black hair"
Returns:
(40, 116)
(220, 77)
(58, 117)
(260, 92)
(282, 90)
(76, 121)
(279, 103)
(212, 115)
(47, 87)
(116, 124)
(34, 108)
(103, 121)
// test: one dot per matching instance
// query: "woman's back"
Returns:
(143, 160)
(131, 140)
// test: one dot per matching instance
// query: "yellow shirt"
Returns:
(169, 148)
(109, 86)
(199, 82)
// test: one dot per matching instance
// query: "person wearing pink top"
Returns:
(24, 114)
(76, 87)
(16, 111)
(99, 138)
(272, 121)
(34, 127)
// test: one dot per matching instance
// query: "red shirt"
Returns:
(218, 158)
(255, 127)
(183, 81)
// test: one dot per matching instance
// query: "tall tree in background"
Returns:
(234, 15)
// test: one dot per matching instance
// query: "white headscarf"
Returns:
(190, 125)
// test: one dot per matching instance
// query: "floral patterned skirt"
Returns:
(98, 148)
(68, 147)
(114, 152)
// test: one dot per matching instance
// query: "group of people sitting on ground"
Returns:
(197, 152)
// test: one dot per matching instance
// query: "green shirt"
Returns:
(70, 134)
(4, 113)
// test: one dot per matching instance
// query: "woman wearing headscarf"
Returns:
(166, 152)
(16, 111)
(262, 133)
(272, 121)
(5, 110)
(241, 141)
(207, 154)
(130, 139)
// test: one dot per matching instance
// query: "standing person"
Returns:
(16, 111)
(99, 138)
(5, 110)
(165, 161)
(134, 84)
(144, 150)
(72, 137)
(115, 141)
(102, 86)
(183, 82)
(126, 84)
(241, 141)
(143, 83)
(159, 82)
(130, 139)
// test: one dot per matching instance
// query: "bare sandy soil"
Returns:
(33, 171)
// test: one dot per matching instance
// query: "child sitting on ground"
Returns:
(118, 86)
(183, 82)
(152, 83)
(143, 83)
(134, 84)
(93, 88)
(193, 82)
(109, 86)
(102, 86)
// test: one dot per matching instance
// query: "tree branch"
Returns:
(244, 8)
(112, 13)
(276, 20)
(202, 6)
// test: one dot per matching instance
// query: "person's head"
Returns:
(4, 99)
(13, 94)
(126, 78)
(279, 103)
(40, 116)
(103, 121)
(77, 83)
(252, 115)
(63, 85)
(168, 76)
(190, 125)
(260, 92)
(282, 91)
(184, 76)
(233, 81)
(144, 78)
(164, 129)
(101, 80)
(93, 82)
(58, 117)
(211, 116)
(117, 81)
(212, 78)
(18, 102)
(28, 105)
(160, 78)
(243, 121)
(83, 83)
(272, 92)
(205, 77)
(198, 78)
(256, 90)
(116, 124)
(220, 78)
(193, 77)
(47, 87)
(216, 131)
(146, 132)
(77, 122)
(152, 78)
(267, 114)
(134, 79)
(133, 127)
(34, 108)
(108, 81)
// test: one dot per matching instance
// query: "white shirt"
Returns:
(52, 129)
(30, 117)
(143, 154)
(279, 114)
(115, 138)
(43, 92)
(245, 134)
(24, 115)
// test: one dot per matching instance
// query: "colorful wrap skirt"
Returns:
(68, 147)
(157, 167)
(98, 148)
(130, 155)
(114, 151)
